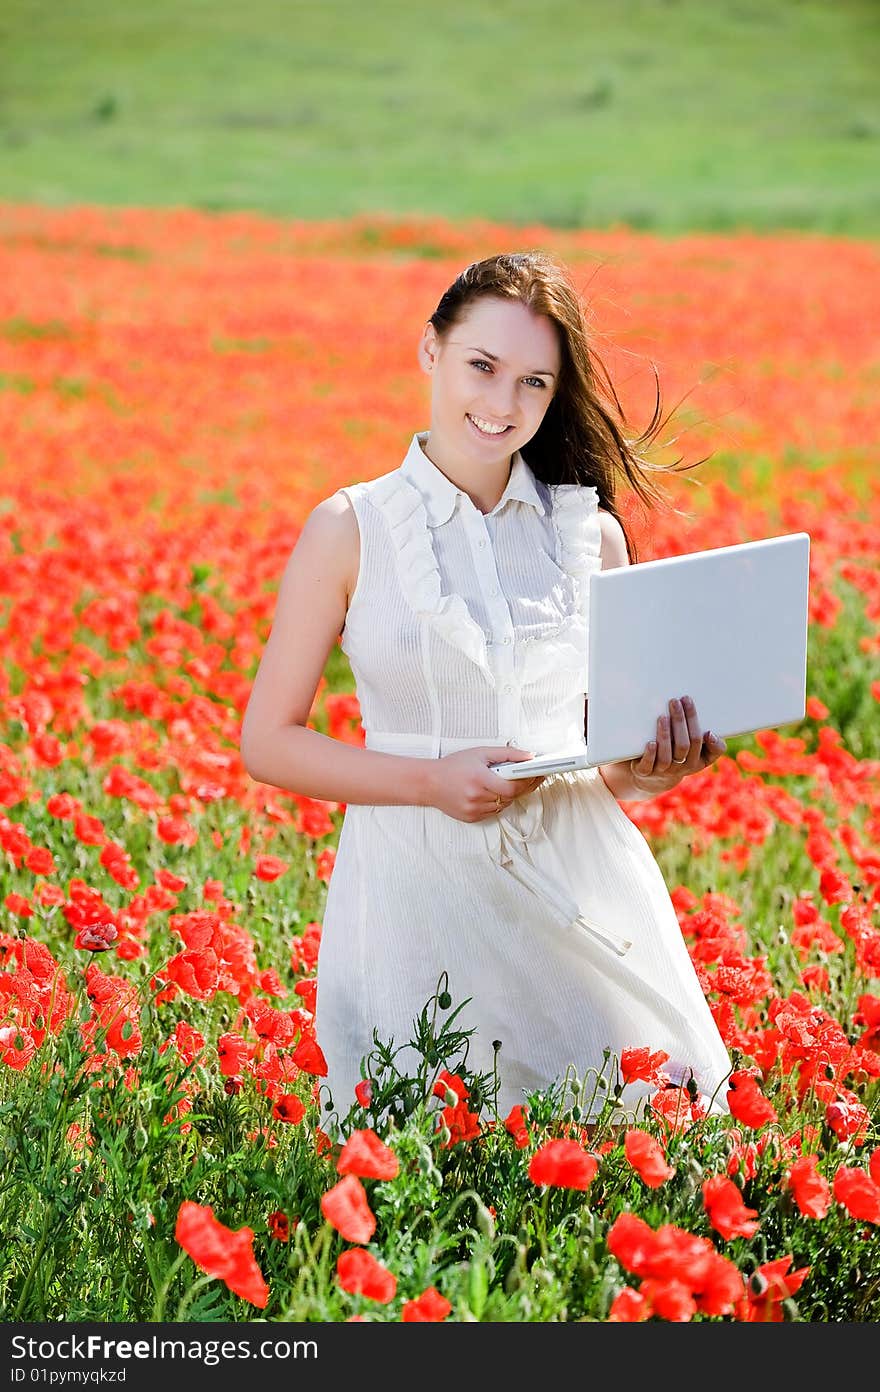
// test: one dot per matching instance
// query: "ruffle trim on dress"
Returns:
(578, 537)
(575, 515)
(402, 505)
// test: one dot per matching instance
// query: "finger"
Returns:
(680, 734)
(644, 763)
(692, 723)
(713, 747)
(694, 732)
(664, 744)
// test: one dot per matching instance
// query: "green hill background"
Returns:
(663, 114)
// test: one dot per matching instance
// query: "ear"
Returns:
(427, 350)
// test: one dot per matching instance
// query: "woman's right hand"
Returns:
(464, 786)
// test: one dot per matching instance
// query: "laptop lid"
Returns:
(726, 626)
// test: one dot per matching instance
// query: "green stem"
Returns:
(186, 1300)
(311, 1257)
(542, 1230)
(160, 1287)
(35, 1262)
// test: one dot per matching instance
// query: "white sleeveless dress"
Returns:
(553, 917)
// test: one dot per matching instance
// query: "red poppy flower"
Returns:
(563, 1163)
(360, 1273)
(269, 867)
(812, 1192)
(858, 1193)
(646, 1156)
(346, 1207)
(452, 1082)
(289, 1107)
(675, 1259)
(874, 1165)
(670, 1299)
(642, 1065)
(628, 1307)
(515, 1123)
(743, 1160)
(364, 1092)
(19, 905)
(677, 1255)
(848, 1118)
(96, 937)
(780, 1282)
(727, 1212)
(721, 1287)
(835, 886)
(17, 1047)
(366, 1155)
(308, 1056)
(747, 1103)
(307, 991)
(197, 973)
(462, 1124)
(323, 1143)
(768, 1286)
(233, 1052)
(631, 1240)
(429, 1308)
(676, 1108)
(221, 1252)
(279, 1226)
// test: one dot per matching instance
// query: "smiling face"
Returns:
(494, 374)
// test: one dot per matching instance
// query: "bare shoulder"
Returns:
(309, 616)
(613, 551)
(331, 529)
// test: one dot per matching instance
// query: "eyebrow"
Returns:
(484, 352)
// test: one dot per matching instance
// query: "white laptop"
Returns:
(727, 627)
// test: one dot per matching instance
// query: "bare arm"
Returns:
(276, 745)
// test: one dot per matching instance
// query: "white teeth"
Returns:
(486, 428)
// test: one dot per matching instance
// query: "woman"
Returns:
(459, 583)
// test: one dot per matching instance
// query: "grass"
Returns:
(662, 114)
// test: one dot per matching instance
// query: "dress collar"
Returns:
(440, 493)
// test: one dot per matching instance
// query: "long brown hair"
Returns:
(579, 439)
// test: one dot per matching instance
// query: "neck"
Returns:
(484, 484)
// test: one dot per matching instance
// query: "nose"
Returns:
(504, 400)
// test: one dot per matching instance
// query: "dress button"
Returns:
(505, 640)
(508, 687)
(493, 593)
(482, 543)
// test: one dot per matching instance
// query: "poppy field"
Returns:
(177, 391)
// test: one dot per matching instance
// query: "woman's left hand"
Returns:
(679, 749)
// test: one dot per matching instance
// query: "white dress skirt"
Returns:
(552, 917)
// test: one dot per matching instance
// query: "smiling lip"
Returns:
(485, 434)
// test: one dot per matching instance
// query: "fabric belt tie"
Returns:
(508, 831)
(506, 835)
